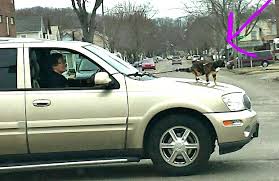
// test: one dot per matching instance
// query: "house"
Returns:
(77, 35)
(31, 27)
(71, 35)
(7, 21)
(260, 37)
(55, 33)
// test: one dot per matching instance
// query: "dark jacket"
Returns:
(53, 80)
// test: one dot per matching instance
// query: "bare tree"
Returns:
(87, 21)
(219, 10)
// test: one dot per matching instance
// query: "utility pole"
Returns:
(104, 30)
(277, 16)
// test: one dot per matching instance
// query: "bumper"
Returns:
(233, 138)
(237, 145)
(149, 67)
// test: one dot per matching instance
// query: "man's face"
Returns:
(61, 66)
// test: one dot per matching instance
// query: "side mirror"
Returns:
(102, 78)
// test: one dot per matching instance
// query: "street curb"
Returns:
(252, 72)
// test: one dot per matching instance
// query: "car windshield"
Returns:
(86, 65)
(116, 62)
(148, 61)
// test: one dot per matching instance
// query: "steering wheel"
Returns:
(92, 78)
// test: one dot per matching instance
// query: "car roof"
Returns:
(4, 40)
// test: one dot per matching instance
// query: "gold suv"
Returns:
(110, 112)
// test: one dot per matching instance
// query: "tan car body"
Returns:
(83, 120)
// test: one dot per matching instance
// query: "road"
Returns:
(259, 160)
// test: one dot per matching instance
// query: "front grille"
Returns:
(247, 102)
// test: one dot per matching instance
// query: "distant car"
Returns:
(170, 57)
(137, 64)
(148, 64)
(264, 58)
(189, 57)
(176, 60)
(196, 58)
(159, 59)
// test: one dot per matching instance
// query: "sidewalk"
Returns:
(270, 73)
(273, 68)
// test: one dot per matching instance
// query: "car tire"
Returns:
(265, 63)
(198, 136)
(142, 69)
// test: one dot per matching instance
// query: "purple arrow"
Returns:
(231, 36)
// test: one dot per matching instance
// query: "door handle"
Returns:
(41, 103)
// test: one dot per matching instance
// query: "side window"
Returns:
(8, 67)
(55, 68)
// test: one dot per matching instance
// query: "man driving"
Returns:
(54, 78)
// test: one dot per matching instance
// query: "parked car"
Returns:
(169, 57)
(137, 64)
(120, 115)
(264, 58)
(196, 58)
(159, 59)
(148, 64)
(189, 57)
(176, 60)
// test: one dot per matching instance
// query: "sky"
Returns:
(164, 8)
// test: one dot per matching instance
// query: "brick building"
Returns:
(7, 18)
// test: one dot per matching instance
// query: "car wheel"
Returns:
(142, 69)
(265, 63)
(179, 145)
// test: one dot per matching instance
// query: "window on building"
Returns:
(1, 18)
(12, 20)
(8, 66)
(8, 26)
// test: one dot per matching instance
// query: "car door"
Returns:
(75, 119)
(12, 96)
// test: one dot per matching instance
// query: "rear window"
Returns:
(8, 65)
(148, 61)
(264, 54)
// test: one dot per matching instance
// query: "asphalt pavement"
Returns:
(257, 161)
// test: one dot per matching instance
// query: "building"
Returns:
(7, 21)
(55, 33)
(77, 35)
(260, 37)
(31, 27)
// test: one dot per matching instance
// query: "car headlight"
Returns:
(237, 101)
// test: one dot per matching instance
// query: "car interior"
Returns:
(40, 67)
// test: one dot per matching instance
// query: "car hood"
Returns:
(177, 92)
(179, 85)
(221, 88)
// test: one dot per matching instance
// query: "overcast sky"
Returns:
(166, 8)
